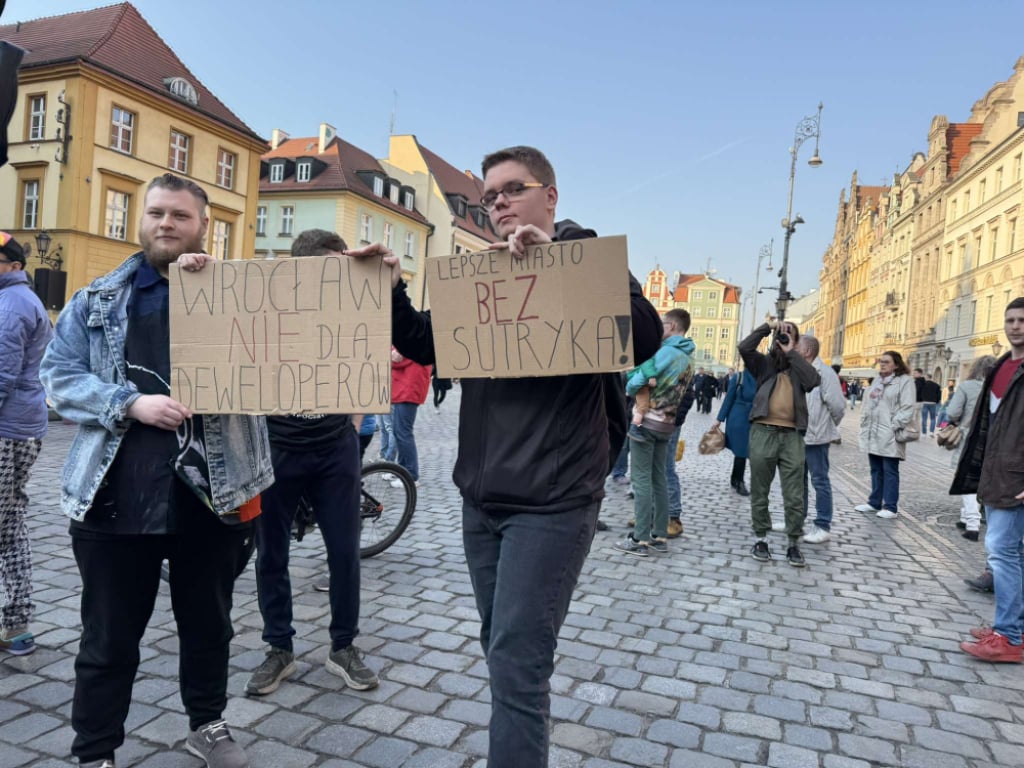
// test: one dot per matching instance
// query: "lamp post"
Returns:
(43, 241)
(997, 348)
(807, 128)
(766, 251)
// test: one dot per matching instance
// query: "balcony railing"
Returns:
(893, 300)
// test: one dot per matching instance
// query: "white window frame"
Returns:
(698, 295)
(287, 219)
(410, 244)
(30, 204)
(410, 200)
(116, 217)
(709, 332)
(304, 171)
(261, 220)
(225, 168)
(713, 295)
(179, 152)
(276, 173)
(221, 239)
(697, 311)
(122, 130)
(365, 227)
(393, 192)
(726, 312)
(712, 312)
(724, 334)
(37, 117)
(389, 231)
(378, 186)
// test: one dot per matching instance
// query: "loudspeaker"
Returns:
(50, 287)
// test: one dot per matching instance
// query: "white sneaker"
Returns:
(777, 526)
(817, 536)
(885, 514)
(396, 483)
(864, 508)
(387, 477)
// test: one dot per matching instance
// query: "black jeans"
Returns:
(524, 567)
(120, 581)
(329, 479)
(739, 467)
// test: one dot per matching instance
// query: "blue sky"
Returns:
(669, 122)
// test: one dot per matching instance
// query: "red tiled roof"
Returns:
(455, 182)
(343, 160)
(730, 294)
(869, 195)
(117, 39)
(958, 143)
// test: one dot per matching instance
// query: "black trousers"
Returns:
(120, 581)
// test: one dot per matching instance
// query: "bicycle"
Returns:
(387, 501)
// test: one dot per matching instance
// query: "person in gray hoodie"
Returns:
(825, 409)
(25, 330)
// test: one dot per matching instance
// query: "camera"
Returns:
(782, 338)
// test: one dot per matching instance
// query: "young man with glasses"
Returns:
(533, 456)
(25, 330)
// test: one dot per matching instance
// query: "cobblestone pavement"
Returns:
(701, 659)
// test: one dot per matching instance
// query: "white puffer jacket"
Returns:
(888, 406)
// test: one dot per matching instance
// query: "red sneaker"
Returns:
(995, 648)
(980, 633)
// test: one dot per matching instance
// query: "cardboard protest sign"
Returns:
(561, 309)
(288, 335)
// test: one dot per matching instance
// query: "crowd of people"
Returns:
(148, 481)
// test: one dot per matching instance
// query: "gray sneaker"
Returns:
(347, 663)
(213, 744)
(268, 675)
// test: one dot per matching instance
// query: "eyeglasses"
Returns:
(511, 191)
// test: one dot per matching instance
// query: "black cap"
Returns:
(10, 248)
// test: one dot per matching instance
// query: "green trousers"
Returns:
(772, 447)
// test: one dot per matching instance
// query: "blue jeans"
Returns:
(816, 465)
(329, 479)
(524, 567)
(648, 475)
(675, 501)
(388, 446)
(928, 411)
(621, 463)
(885, 482)
(1003, 540)
(403, 417)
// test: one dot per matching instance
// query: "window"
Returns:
(709, 332)
(706, 353)
(365, 227)
(725, 333)
(287, 219)
(221, 239)
(696, 312)
(723, 354)
(967, 201)
(999, 179)
(303, 171)
(981, 191)
(698, 295)
(36, 118)
(177, 157)
(952, 210)
(276, 173)
(116, 221)
(388, 231)
(458, 249)
(1012, 224)
(122, 128)
(712, 312)
(393, 191)
(713, 295)
(378, 186)
(1016, 168)
(261, 220)
(410, 244)
(727, 312)
(995, 242)
(410, 200)
(30, 205)
(225, 169)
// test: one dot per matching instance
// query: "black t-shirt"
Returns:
(306, 431)
(137, 495)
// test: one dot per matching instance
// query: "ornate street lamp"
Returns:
(43, 241)
(765, 252)
(809, 127)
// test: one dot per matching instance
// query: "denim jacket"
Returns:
(83, 371)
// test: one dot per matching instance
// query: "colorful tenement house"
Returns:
(324, 182)
(104, 105)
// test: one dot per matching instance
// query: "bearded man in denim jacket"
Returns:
(146, 481)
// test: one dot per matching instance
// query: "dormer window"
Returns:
(410, 200)
(182, 89)
(393, 191)
(276, 173)
(303, 170)
(458, 203)
(378, 186)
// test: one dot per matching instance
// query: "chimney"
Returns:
(469, 174)
(327, 134)
(277, 138)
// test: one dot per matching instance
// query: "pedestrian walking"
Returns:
(960, 412)
(532, 459)
(889, 409)
(990, 466)
(735, 412)
(146, 481)
(410, 383)
(25, 330)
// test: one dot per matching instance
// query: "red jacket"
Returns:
(410, 382)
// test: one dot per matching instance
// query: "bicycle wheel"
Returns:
(387, 501)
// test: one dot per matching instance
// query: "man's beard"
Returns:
(160, 255)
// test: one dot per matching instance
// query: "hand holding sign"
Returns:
(523, 236)
(378, 249)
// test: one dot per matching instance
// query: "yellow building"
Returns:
(104, 106)
(323, 182)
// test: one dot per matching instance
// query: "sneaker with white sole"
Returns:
(817, 536)
(17, 641)
(276, 667)
(347, 663)
(864, 508)
(214, 744)
(885, 514)
(97, 764)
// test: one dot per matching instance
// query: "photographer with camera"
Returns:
(778, 421)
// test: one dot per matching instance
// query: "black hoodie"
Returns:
(536, 444)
